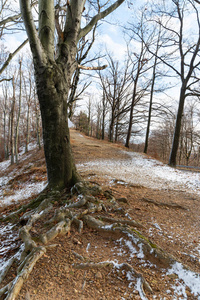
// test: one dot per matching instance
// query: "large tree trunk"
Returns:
(176, 137)
(52, 94)
(53, 77)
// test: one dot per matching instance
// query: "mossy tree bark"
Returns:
(53, 78)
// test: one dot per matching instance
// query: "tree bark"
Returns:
(52, 93)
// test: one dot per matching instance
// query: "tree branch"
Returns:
(98, 17)
(5, 79)
(11, 55)
(10, 19)
(36, 47)
(92, 68)
(15, 17)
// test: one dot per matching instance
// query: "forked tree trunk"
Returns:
(53, 78)
(52, 93)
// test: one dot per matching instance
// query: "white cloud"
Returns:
(118, 49)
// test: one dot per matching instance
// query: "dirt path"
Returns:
(134, 168)
(170, 217)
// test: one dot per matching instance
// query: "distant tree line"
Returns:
(20, 116)
(136, 105)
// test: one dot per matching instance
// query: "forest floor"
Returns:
(169, 215)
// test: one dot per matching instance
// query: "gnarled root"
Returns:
(124, 266)
(23, 275)
(77, 212)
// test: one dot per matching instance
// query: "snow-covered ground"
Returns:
(139, 169)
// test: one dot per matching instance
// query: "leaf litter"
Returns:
(134, 177)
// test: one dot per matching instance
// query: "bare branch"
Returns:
(6, 79)
(35, 44)
(11, 55)
(10, 19)
(98, 17)
(92, 68)
(15, 17)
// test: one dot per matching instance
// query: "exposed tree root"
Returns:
(124, 266)
(23, 275)
(84, 202)
(126, 222)
(14, 216)
(7, 268)
(169, 205)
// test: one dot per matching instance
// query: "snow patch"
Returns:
(138, 169)
(27, 191)
(189, 279)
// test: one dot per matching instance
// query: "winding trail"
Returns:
(116, 162)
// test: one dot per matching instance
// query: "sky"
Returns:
(110, 36)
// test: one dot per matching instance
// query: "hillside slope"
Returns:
(163, 201)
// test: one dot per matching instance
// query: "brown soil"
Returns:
(170, 219)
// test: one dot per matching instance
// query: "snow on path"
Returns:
(139, 169)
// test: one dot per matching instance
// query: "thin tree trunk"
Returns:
(103, 116)
(12, 144)
(111, 129)
(131, 113)
(4, 125)
(27, 126)
(150, 104)
(19, 112)
(8, 139)
(175, 143)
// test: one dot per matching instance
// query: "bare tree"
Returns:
(115, 87)
(53, 78)
(184, 49)
(140, 66)
(152, 86)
